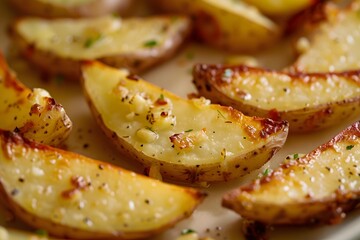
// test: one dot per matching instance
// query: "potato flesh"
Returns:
(336, 169)
(280, 8)
(32, 112)
(77, 192)
(318, 187)
(283, 92)
(242, 9)
(100, 37)
(210, 133)
(335, 45)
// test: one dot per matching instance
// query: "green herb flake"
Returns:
(161, 97)
(187, 231)
(92, 40)
(189, 130)
(41, 232)
(296, 156)
(150, 43)
(266, 172)
(221, 114)
(349, 147)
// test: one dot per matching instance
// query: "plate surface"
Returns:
(210, 219)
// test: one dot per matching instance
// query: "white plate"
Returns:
(210, 219)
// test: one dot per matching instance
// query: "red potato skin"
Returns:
(330, 210)
(208, 79)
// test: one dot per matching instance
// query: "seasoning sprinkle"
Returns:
(349, 147)
(41, 232)
(92, 40)
(150, 43)
(187, 231)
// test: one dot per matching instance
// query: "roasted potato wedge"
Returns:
(307, 101)
(33, 113)
(333, 44)
(72, 8)
(58, 46)
(72, 196)
(186, 140)
(281, 8)
(319, 187)
(231, 25)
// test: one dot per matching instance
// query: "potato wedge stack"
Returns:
(186, 140)
(71, 196)
(58, 46)
(318, 187)
(33, 113)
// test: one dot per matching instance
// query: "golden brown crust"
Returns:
(211, 82)
(329, 209)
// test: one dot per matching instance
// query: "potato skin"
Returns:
(90, 9)
(310, 208)
(136, 62)
(210, 83)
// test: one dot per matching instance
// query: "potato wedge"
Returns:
(231, 25)
(58, 46)
(281, 8)
(71, 8)
(72, 196)
(33, 113)
(186, 140)
(333, 44)
(319, 187)
(307, 101)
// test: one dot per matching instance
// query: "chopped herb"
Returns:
(149, 128)
(187, 231)
(92, 40)
(189, 130)
(41, 232)
(349, 147)
(266, 172)
(150, 43)
(244, 137)
(296, 156)
(221, 114)
(161, 97)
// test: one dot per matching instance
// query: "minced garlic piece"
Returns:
(200, 102)
(139, 104)
(147, 135)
